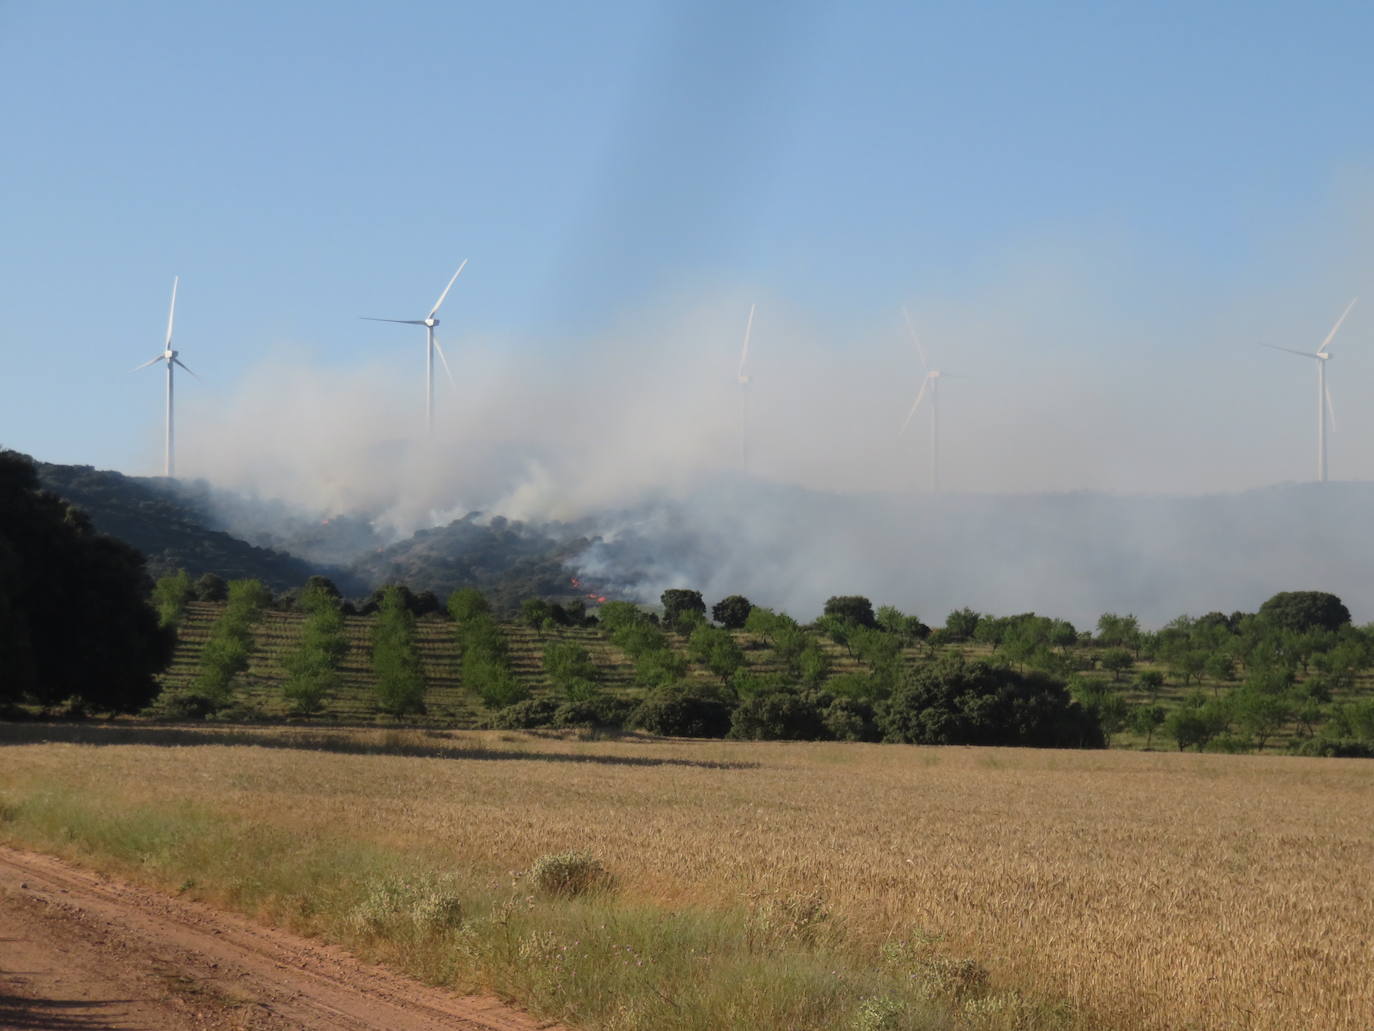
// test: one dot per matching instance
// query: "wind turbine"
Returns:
(431, 346)
(930, 384)
(170, 357)
(744, 393)
(1324, 409)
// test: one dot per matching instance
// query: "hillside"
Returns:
(506, 560)
(172, 534)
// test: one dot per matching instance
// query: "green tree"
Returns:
(680, 605)
(716, 650)
(1150, 681)
(953, 701)
(211, 587)
(1116, 661)
(74, 614)
(400, 681)
(732, 612)
(961, 624)
(170, 595)
(854, 609)
(1301, 611)
(312, 666)
(571, 669)
(1146, 719)
(468, 603)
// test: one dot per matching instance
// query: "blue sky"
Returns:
(1096, 210)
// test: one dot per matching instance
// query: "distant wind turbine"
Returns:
(170, 357)
(1325, 412)
(431, 346)
(744, 393)
(930, 386)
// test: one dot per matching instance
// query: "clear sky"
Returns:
(1095, 210)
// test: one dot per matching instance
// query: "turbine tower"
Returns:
(744, 393)
(170, 357)
(431, 346)
(1325, 412)
(930, 384)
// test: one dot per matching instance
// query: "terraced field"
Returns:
(447, 701)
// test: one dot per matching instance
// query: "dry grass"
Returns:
(1154, 891)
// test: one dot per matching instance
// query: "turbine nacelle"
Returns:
(431, 322)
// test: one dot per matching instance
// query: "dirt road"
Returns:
(80, 952)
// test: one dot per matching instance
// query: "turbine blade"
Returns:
(1330, 409)
(920, 395)
(447, 289)
(150, 361)
(1337, 325)
(403, 322)
(744, 352)
(915, 337)
(444, 362)
(1303, 354)
(178, 361)
(172, 311)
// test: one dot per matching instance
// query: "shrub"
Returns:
(526, 715)
(603, 710)
(570, 874)
(850, 719)
(408, 908)
(779, 716)
(682, 711)
(975, 703)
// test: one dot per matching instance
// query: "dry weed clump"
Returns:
(570, 874)
(1152, 891)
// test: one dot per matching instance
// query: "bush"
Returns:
(570, 874)
(954, 702)
(526, 715)
(605, 711)
(851, 719)
(779, 716)
(683, 711)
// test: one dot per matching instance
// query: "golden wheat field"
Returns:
(1152, 890)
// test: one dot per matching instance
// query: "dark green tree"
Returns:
(732, 612)
(681, 606)
(1301, 611)
(953, 701)
(74, 615)
(854, 609)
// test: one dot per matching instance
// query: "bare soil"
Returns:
(79, 951)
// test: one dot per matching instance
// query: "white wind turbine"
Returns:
(431, 346)
(743, 376)
(1325, 412)
(170, 357)
(930, 386)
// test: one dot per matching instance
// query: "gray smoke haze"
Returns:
(1103, 450)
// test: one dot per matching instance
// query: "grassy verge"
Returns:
(595, 960)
